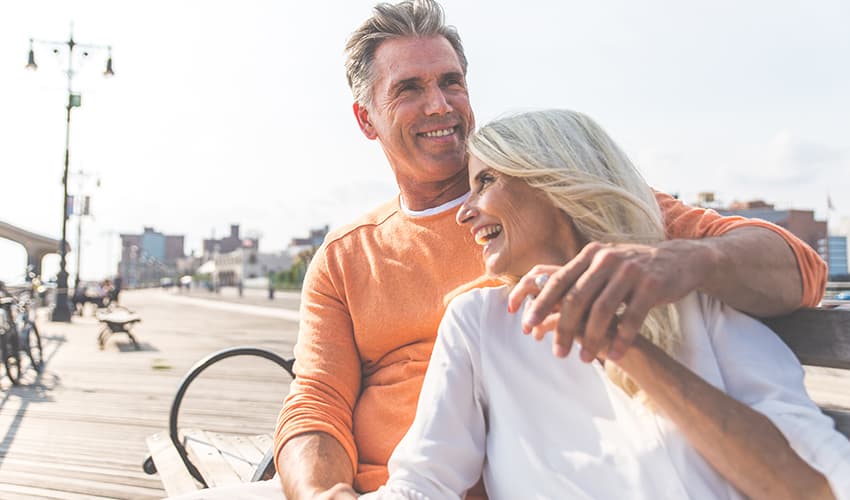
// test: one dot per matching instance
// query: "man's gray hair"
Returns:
(410, 18)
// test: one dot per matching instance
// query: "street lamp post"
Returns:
(62, 312)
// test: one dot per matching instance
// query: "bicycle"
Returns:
(29, 339)
(9, 347)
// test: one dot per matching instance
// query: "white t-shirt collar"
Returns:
(432, 211)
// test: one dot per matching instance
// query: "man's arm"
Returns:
(772, 263)
(315, 449)
(317, 467)
(754, 271)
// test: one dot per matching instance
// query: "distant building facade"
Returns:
(244, 264)
(229, 243)
(833, 249)
(148, 257)
(312, 242)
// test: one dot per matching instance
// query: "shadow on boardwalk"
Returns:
(78, 429)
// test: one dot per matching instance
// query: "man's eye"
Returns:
(453, 81)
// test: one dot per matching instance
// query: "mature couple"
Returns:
(672, 393)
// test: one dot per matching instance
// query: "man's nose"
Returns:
(436, 102)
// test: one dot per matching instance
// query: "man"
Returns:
(374, 294)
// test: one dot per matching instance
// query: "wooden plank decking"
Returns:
(79, 429)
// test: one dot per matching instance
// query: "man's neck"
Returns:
(422, 197)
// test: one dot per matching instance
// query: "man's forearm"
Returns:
(753, 270)
(313, 463)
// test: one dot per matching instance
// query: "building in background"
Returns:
(148, 257)
(248, 266)
(228, 244)
(310, 243)
(833, 249)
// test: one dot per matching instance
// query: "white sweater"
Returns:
(495, 400)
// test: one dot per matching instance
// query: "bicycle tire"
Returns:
(11, 354)
(32, 346)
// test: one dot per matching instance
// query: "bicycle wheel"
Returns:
(32, 345)
(11, 354)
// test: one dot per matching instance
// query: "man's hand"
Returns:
(340, 491)
(609, 288)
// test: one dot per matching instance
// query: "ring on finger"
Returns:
(541, 280)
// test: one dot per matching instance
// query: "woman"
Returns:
(708, 403)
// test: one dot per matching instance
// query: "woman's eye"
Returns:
(484, 180)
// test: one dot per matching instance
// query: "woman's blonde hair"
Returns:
(567, 156)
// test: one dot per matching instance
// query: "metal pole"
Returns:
(79, 249)
(62, 312)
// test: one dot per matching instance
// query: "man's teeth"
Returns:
(485, 234)
(440, 133)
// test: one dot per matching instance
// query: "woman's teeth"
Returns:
(485, 234)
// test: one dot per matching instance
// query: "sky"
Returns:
(226, 112)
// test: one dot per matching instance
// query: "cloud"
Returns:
(789, 160)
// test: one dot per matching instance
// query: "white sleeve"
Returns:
(759, 370)
(442, 454)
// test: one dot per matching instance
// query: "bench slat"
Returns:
(263, 442)
(209, 461)
(175, 478)
(819, 337)
(231, 450)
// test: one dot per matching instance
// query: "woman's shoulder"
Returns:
(479, 298)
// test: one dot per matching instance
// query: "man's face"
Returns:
(420, 109)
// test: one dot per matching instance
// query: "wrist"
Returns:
(639, 359)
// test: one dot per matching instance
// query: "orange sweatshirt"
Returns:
(371, 304)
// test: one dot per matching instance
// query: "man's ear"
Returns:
(362, 115)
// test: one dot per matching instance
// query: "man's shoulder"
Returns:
(371, 220)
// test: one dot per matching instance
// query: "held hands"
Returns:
(602, 296)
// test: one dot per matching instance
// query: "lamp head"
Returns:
(31, 65)
(109, 71)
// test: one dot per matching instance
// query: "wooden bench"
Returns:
(818, 337)
(116, 320)
(191, 459)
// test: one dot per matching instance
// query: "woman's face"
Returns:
(517, 226)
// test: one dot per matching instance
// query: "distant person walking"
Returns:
(116, 288)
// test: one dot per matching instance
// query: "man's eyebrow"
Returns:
(401, 83)
(452, 74)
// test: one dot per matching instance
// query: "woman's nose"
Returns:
(466, 213)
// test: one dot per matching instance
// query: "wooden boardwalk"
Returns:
(78, 429)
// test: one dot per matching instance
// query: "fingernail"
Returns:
(614, 355)
(586, 356)
(560, 351)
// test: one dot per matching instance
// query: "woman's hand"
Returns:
(603, 295)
